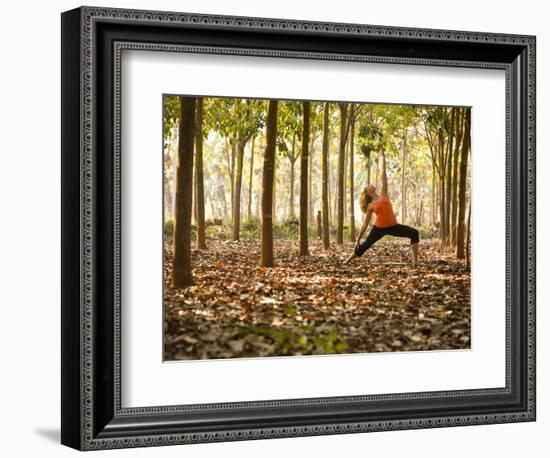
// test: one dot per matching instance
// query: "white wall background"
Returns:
(30, 229)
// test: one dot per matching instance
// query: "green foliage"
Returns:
(297, 341)
(316, 117)
(237, 119)
(222, 232)
(289, 127)
(170, 113)
(250, 230)
(169, 227)
(427, 232)
(409, 134)
(384, 126)
(370, 137)
(287, 230)
(438, 118)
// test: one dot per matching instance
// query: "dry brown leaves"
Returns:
(315, 304)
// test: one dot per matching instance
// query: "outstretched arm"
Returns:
(364, 227)
(383, 177)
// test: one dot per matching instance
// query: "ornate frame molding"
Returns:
(88, 435)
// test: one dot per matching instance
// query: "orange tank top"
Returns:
(384, 212)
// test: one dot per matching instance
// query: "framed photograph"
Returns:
(276, 228)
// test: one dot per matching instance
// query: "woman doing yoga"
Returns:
(386, 224)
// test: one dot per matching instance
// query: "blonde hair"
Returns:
(364, 200)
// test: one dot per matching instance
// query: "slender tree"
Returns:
(310, 177)
(182, 275)
(462, 187)
(237, 191)
(454, 192)
(274, 196)
(345, 195)
(442, 218)
(314, 130)
(436, 125)
(266, 257)
(199, 177)
(304, 166)
(194, 212)
(403, 176)
(448, 177)
(368, 168)
(292, 157)
(326, 241)
(351, 182)
(251, 177)
(377, 170)
(468, 236)
(289, 130)
(171, 112)
(340, 178)
(231, 156)
(236, 120)
(434, 196)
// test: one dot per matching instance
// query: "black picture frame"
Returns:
(92, 416)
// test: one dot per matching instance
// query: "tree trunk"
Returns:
(304, 181)
(237, 191)
(462, 188)
(376, 173)
(291, 214)
(274, 197)
(330, 207)
(442, 208)
(326, 240)
(345, 195)
(231, 161)
(332, 197)
(441, 173)
(199, 177)
(454, 196)
(250, 180)
(351, 183)
(194, 212)
(182, 275)
(403, 194)
(222, 196)
(368, 169)
(434, 195)
(448, 177)
(448, 183)
(266, 257)
(340, 180)
(310, 180)
(468, 236)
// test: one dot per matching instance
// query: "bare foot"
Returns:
(348, 260)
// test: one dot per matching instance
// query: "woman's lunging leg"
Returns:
(375, 234)
(401, 230)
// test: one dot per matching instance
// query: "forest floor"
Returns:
(315, 304)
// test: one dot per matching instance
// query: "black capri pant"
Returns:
(376, 233)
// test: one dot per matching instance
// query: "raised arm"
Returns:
(383, 177)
